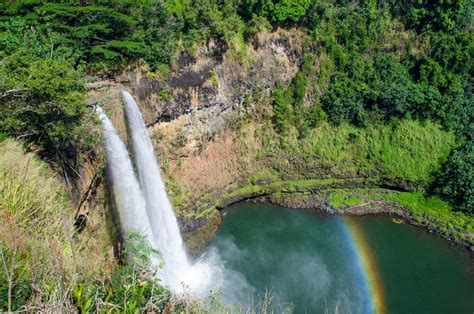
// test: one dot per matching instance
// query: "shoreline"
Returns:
(391, 209)
(344, 197)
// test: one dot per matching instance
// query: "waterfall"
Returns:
(163, 221)
(128, 195)
(144, 207)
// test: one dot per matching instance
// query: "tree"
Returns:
(437, 15)
(41, 101)
(456, 179)
(291, 11)
(396, 95)
(344, 101)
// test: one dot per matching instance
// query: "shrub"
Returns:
(456, 179)
(282, 110)
(289, 10)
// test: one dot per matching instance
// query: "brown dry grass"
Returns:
(37, 241)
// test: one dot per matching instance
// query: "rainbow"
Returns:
(370, 281)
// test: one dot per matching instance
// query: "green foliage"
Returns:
(257, 24)
(106, 35)
(157, 31)
(316, 116)
(456, 179)
(343, 199)
(21, 288)
(289, 10)
(432, 210)
(41, 89)
(214, 77)
(344, 101)
(164, 95)
(96, 35)
(393, 92)
(373, 78)
(453, 51)
(132, 287)
(299, 88)
(404, 151)
(281, 110)
(425, 16)
(409, 150)
(3, 136)
(42, 101)
(140, 252)
(178, 198)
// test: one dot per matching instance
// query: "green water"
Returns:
(308, 260)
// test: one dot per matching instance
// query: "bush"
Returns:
(282, 110)
(456, 179)
(289, 10)
(256, 25)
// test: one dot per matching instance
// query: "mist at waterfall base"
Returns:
(144, 207)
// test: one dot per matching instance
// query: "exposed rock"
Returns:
(197, 239)
(193, 116)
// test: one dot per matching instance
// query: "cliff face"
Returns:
(195, 118)
(211, 118)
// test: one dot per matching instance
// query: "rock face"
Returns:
(197, 114)
(193, 115)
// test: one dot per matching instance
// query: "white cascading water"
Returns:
(145, 207)
(128, 195)
(160, 211)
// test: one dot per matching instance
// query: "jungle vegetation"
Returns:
(378, 61)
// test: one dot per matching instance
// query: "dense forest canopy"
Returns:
(366, 62)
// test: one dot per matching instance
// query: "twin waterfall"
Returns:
(143, 204)
(158, 206)
(127, 191)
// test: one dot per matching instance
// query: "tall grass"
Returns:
(407, 150)
(34, 242)
(31, 194)
(41, 259)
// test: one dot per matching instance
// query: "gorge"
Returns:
(236, 156)
(302, 262)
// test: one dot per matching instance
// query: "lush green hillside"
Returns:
(364, 63)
